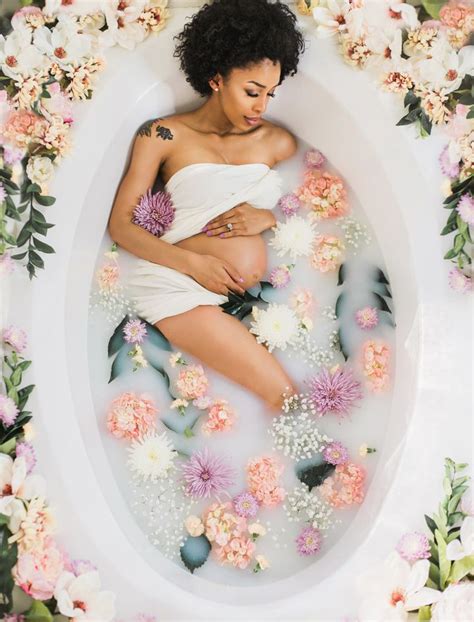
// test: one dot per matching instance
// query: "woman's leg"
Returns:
(221, 342)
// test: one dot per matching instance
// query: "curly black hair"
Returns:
(227, 34)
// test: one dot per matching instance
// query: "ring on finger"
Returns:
(229, 226)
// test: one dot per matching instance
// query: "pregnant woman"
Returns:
(216, 162)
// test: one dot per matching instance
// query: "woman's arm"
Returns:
(150, 149)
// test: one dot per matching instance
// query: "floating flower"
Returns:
(131, 415)
(108, 277)
(222, 524)
(180, 404)
(194, 526)
(203, 402)
(176, 359)
(458, 549)
(345, 487)
(191, 382)
(134, 331)
(154, 212)
(246, 505)
(263, 480)
(221, 416)
(334, 391)
(367, 317)
(390, 591)
(151, 456)
(465, 208)
(136, 354)
(294, 237)
(364, 450)
(280, 276)
(309, 541)
(289, 204)
(313, 158)
(375, 363)
(324, 193)
(15, 337)
(336, 453)
(276, 326)
(455, 604)
(207, 475)
(262, 563)
(328, 253)
(458, 281)
(256, 530)
(26, 450)
(8, 410)
(413, 546)
(302, 302)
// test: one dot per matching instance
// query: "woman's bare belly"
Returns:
(247, 253)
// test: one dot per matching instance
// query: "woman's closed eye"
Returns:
(256, 94)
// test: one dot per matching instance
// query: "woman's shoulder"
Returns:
(282, 141)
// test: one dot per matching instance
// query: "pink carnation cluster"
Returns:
(325, 193)
(302, 302)
(229, 533)
(221, 416)
(37, 571)
(345, 487)
(375, 364)
(130, 416)
(15, 337)
(108, 277)
(192, 382)
(263, 480)
(328, 253)
(458, 17)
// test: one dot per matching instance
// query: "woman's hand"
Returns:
(215, 274)
(245, 219)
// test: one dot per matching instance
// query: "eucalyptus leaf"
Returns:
(380, 276)
(195, 552)
(444, 563)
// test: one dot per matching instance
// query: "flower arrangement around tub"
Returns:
(197, 487)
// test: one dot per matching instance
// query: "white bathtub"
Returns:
(397, 181)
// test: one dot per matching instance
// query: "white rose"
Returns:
(40, 171)
(194, 526)
(456, 604)
(257, 529)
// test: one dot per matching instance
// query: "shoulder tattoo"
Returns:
(161, 131)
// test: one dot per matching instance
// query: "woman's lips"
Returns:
(252, 120)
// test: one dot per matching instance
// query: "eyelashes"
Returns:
(256, 94)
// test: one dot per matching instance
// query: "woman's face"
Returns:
(245, 93)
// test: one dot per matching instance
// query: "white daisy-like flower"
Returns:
(152, 456)
(294, 237)
(276, 326)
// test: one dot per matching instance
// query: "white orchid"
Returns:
(332, 18)
(64, 44)
(123, 28)
(392, 590)
(79, 597)
(456, 603)
(458, 549)
(18, 56)
(78, 7)
(377, 16)
(446, 67)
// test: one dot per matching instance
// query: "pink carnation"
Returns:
(289, 204)
(108, 277)
(263, 480)
(22, 127)
(15, 337)
(375, 364)
(280, 276)
(131, 416)
(325, 193)
(221, 417)
(192, 383)
(313, 158)
(345, 487)
(8, 410)
(458, 281)
(238, 552)
(37, 572)
(367, 317)
(328, 253)
(302, 301)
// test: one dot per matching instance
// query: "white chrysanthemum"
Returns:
(152, 456)
(295, 236)
(275, 326)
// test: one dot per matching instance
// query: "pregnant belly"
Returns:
(246, 253)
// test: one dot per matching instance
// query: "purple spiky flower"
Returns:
(309, 541)
(334, 391)
(154, 212)
(246, 505)
(206, 474)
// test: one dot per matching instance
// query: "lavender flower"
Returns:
(26, 450)
(246, 505)
(313, 158)
(280, 276)
(309, 541)
(134, 331)
(154, 212)
(206, 474)
(465, 208)
(413, 546)
(336, 453)
(8, 410)
(15, 337)
(289, 204)
(448, 168)
(367, 317)
(334, 391)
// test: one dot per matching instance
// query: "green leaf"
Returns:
(459, 242)
(454, 518)
(35, 259)
(44, 200)
(41, 246)
(195, 552)
(339, 301)
(431, 524)
(380, 276)
(120, 364)
(38, 612)
(433, 7)
(156, 337)
(455, 499)
(8, 447)
(461, 568)
(447, 487)
(341, 275)
(188, 433)
(117, 340)
(314, 475)
(444, 563)
(424, 614)
(434, 574)
(381, 303)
